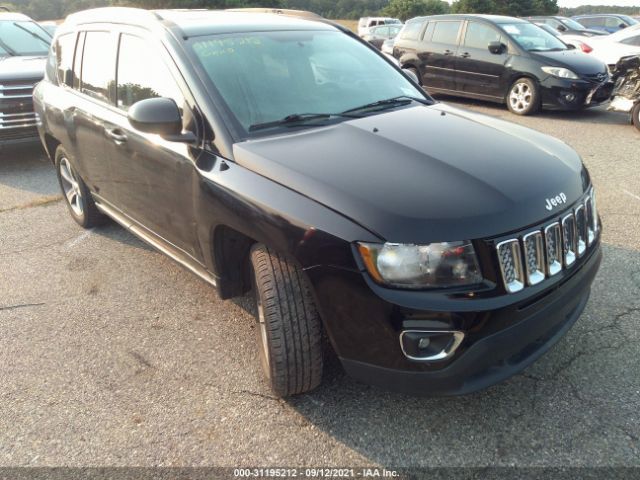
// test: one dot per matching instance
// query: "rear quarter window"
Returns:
(64, 49)
(411, 31)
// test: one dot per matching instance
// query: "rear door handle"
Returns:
(448, 52)
(465, 55)
(116, 135)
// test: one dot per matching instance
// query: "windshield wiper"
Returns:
(298, 119)
(555, 49)
(389, 103)
(33, 34)
(10, 51)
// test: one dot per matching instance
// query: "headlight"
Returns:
(560, 72)
(446, 264)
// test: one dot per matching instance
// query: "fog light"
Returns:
(430, 346)
(570, 97)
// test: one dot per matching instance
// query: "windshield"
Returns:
(629, 20)
(269, 76)
(533, 38)
(572, 24)
(23, 38)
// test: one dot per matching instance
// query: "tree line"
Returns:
(337, 9)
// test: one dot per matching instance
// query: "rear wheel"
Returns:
(635, 115)
(289, 332)
(76, 194)
(523, 97)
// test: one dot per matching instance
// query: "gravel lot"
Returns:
(111, 354)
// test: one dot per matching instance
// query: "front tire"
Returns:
(523, 97)
(289, 327)
(75, 192)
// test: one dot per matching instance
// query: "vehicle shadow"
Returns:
(569, 404)
(593, 115)
(26, 168)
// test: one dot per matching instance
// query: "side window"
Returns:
(613, 22)
(446, 32)
(411, 30)
(98, 65)
(588, 22)
(139, 80)
(480, 36)
(65, 48)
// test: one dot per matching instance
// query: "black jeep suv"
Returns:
(441, 250)
(23, 48)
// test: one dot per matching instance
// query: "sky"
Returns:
(577, 3)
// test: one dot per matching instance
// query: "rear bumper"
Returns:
(563, 94)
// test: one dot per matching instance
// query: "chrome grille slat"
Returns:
(543, 252)
(16, 108)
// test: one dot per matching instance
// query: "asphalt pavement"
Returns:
(111, 354)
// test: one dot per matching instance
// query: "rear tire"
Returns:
(523, 97)
(635, 116)
(289, 328)
(76, 193)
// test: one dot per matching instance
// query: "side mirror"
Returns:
(160, 116)
(497, 47)
(622, 25)
(562, 28)
(68, 77)
(571, 46)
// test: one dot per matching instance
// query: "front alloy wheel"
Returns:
(522, 98)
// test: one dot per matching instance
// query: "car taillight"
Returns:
(585, 48)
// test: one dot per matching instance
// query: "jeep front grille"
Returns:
(545, 251)
(16, 107)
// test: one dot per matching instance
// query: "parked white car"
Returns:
(365, 23)
(612, 48)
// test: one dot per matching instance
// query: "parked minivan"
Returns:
(439, 250)
(501, 59)
(608, 23)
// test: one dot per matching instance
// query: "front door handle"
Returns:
(465, 55)
(116, 135)
(448, 52)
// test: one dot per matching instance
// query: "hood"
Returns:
(22, 68)
(574, 60)
(424, 174)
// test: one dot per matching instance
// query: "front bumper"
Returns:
(564, 94)
(501, 339)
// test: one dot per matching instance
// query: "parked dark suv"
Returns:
(501, 59)
(23, 48)
(440, 250)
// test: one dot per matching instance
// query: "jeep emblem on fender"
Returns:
(555, 201)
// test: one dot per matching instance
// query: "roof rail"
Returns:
(279, 11)
(115, 15)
